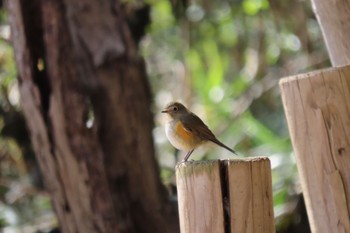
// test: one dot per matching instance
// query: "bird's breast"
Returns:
(179, 137)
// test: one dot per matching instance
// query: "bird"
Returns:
(186, 131)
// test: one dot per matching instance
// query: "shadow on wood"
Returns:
(225, 196)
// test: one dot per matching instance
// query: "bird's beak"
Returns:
(166, 110)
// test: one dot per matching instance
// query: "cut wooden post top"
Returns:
(315, 73)
(211, 162)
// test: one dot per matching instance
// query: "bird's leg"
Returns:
(187, 156)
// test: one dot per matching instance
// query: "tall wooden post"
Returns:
(333, 18)
(317, 106)
(225, 196)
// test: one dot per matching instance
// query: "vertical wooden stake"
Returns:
(200, 198)
(229, 196)
(317, 107)
(251, 197)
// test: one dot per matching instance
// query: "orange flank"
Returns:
(186, 135)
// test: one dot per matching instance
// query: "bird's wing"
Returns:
(195, 125)
(192, 123)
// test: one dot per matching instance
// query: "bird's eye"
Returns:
(175, 109)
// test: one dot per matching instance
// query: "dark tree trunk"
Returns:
(78, 64)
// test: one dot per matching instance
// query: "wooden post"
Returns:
(229, 196)
(333, 18)
(317, 107)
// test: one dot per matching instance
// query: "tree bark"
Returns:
(333, 17)
(78, 65)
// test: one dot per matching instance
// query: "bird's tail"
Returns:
(224, 146)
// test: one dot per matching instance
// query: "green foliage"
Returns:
(224, 59)
(252, 7)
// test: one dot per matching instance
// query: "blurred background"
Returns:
(223, 59)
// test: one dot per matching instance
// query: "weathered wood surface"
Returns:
(251, 199)
(317, 107)
(333, 17)
(199, 196)
(225, 196)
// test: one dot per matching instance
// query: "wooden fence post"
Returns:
(317, 107)
(228, 196)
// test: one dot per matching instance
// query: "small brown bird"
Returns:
(186, 131)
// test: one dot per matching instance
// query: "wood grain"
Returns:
(200, 198)
(250, 192)
(333, 18)
(225, 196)
(317, 108)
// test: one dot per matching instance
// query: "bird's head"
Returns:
(175, 110)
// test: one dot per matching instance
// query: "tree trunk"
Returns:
(333, 17)
(86, 100)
